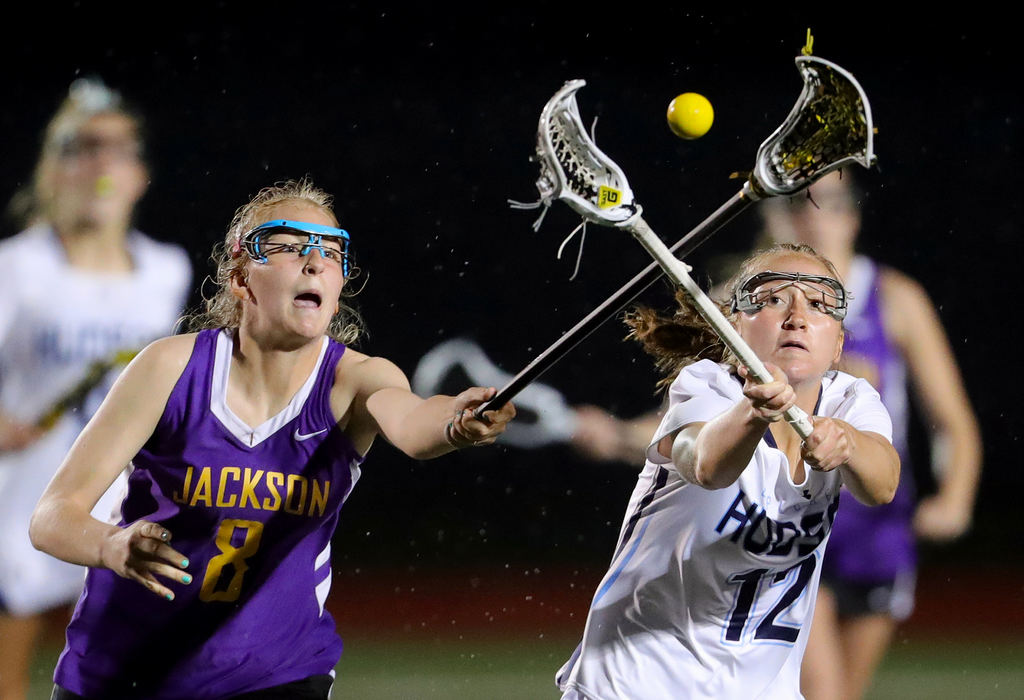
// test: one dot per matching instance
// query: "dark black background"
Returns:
(422, 123)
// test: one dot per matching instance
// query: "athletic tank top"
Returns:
(254, 510)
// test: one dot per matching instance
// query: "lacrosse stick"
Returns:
(829, 126)
(74, 398)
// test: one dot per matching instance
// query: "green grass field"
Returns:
(523, 669)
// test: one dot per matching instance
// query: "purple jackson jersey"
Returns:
(874, 544)
(254, 510)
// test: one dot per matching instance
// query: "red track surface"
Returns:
(519, 601)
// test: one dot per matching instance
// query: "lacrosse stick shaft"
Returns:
(74, 397)
(679, 272)
(617, 301)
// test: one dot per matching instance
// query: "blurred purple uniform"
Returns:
(254, 510)
(872, 545)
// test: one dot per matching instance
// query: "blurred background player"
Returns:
(79, 284)
(894, 338)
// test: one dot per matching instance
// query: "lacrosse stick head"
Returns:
(829, 126)
(575, 170)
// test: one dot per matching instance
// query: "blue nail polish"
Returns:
(184, 563)
(169, 596)
(186, 579)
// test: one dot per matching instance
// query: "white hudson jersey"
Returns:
(710, 592)
(55, 321)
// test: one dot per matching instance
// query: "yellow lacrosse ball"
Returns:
(690, 115)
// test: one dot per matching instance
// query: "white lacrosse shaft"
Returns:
(679, 272)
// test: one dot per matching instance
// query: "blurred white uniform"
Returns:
(708, 593)
(56, 320)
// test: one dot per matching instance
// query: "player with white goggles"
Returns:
(752, 295)
(261, 241)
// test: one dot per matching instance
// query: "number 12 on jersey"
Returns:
(750, 583)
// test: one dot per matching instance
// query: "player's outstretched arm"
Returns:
(61, 523)
(602, 436)
(426, 428)
(954, 432)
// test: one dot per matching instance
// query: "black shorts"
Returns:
(894, 597)
(312, 688)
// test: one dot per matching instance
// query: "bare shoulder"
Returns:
(140, 393)
(356, 378)
(161, 362)
(172, 351)
(368, 373)
(899, 288)
(907, 308)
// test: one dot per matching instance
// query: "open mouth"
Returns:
(309, 300)
(794, 344)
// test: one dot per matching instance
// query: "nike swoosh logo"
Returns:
(300, 437)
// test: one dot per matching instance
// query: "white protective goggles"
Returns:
(751, 295)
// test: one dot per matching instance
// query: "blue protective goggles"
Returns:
(257, 247)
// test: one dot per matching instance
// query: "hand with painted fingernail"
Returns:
(141, 552)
